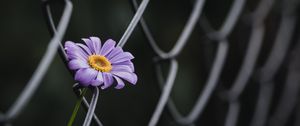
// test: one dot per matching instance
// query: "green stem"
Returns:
(77, 106)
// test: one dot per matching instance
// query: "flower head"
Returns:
(100, 66)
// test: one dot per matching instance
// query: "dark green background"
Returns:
(24, 38)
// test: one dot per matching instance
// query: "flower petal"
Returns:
(108, 46)
(122, 57)
(130, 77)
(75, 64)
(125, 68)
(85, 76)
(96, 44)
(89, 44)
(129, 63)
(114, 52)
(74, 52)
(120, 83)
(98, 81)
(85, 48)
(108, 80)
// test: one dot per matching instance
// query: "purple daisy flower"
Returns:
(100, 66)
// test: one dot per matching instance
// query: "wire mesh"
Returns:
(266, 111)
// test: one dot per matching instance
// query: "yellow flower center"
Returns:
(99, 63)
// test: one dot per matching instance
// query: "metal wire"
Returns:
(295, 63)
(182, 40)
(92, 107)
(290, 92)
(42, 68)
(287, 101)
(271, 67)
(289, 96)
(133, 23)
(77, 91)
(52, 30)
(167, 91)
(249, 61)
(212, 81)
(244, 74)
(233, 112)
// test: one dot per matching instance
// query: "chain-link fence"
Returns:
(229, 63)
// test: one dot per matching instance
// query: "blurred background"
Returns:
(24, 39)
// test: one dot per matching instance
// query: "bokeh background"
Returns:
(24, 38)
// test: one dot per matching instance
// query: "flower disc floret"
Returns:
(99, 63)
